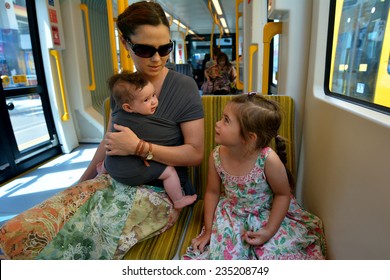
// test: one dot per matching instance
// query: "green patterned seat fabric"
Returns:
(213, 108)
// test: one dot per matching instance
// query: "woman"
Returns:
(222, 76)
(100, 218)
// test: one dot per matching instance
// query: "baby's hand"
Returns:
(256, 238)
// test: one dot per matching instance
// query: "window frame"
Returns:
(328, 64)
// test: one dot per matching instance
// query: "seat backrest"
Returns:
(185, 69)
(213, 107)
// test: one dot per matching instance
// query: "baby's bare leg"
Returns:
(172, 186)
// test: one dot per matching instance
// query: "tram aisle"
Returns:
(35, 186)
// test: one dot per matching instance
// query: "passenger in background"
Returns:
(257, 217)
(137, 96)
(220, 78)
(213, 61)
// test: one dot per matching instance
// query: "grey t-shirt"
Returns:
(179, 101)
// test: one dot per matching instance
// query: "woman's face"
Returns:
(154, 36)
(222, 61)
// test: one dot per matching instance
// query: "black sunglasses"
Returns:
(147, 51)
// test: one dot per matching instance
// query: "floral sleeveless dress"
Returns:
(246, 205)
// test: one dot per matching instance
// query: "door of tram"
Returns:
(27, 132)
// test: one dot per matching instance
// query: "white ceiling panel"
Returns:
(195, 14)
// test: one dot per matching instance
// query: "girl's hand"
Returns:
(121, 143)
(256, 238)
(201, 241)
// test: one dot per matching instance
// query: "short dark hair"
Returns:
(123, 85)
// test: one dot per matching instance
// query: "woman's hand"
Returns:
(256, 238)
(201, 241)
(121, 143)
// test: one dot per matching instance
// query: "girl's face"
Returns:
(154, 36)
(227, 130)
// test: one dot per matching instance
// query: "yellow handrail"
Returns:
(126, 62)
(111, 29)
(270, 30)
(215, 22)
(212, 30)
(252, 50)
(239, 83)
(170, 19)
(92, 86)
(65, 116)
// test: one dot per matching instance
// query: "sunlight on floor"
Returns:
(34, 187)
(47, 182)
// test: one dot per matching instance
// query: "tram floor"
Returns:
(44, 181)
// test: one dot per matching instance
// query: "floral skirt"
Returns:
(96, 219)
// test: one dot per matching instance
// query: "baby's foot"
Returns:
(185, 201)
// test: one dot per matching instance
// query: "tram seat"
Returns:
(185, 69)
(213, 107)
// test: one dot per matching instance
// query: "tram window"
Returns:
(358, 59)
(274, 63)
(275, 60)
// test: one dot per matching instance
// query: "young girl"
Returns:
(257, 217)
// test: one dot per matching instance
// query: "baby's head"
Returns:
(259, 115)
(133, 93)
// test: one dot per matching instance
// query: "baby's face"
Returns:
(145, 101)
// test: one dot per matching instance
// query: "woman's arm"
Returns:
(276, 175)
(124, 142)
(188, 154)
(210, 203)
(99, 156)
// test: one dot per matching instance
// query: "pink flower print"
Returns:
(229, 245)
(282, 231)
(227, 255)
(252, 191)
(311, 250)
(234, 200)
(219, 237)
(259, 251)
(241, 187)
(223, 211)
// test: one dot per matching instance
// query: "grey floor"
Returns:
(43, 182)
